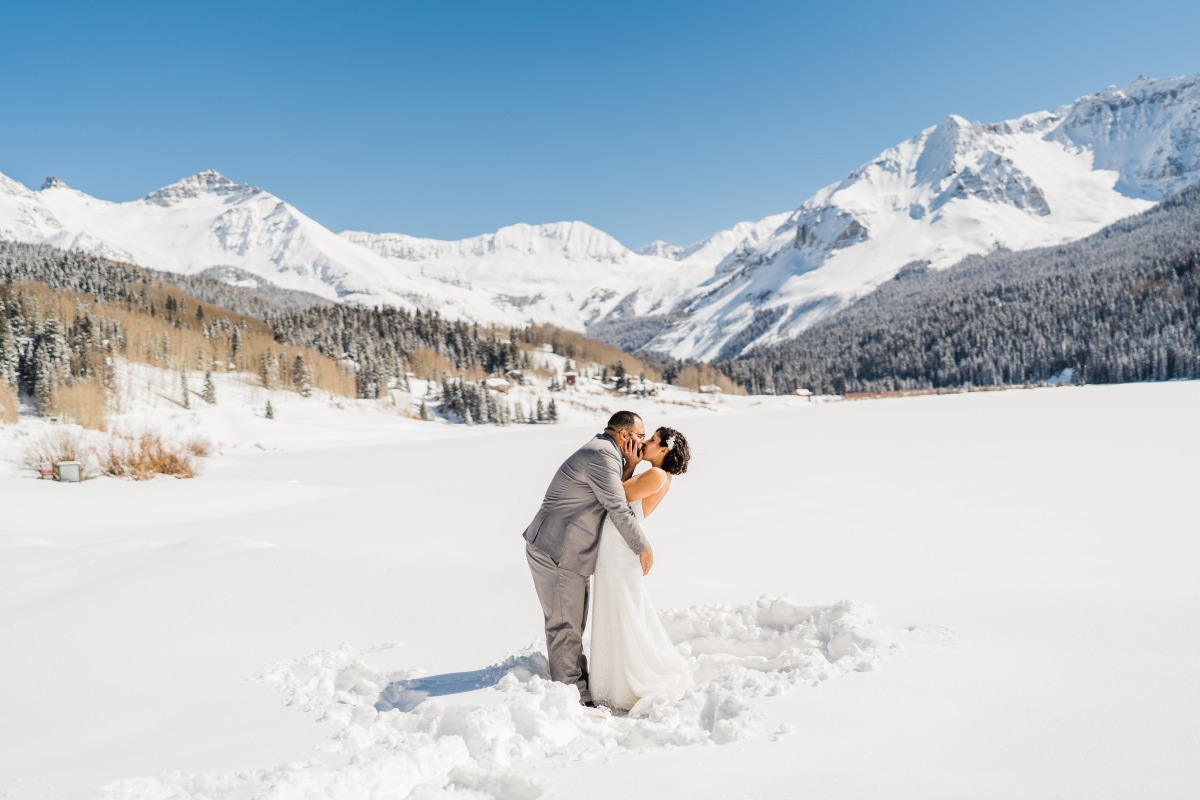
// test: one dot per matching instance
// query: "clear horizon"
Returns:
(667, 122)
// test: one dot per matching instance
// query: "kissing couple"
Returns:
(590, 526)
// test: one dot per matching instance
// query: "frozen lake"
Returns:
(1023, 615)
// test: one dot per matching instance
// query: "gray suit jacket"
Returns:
(586, 488)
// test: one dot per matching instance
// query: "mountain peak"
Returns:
(54, 183)
(1144, 88)
(661, 249)
(1145, 132)
(207, 182)
(575, 238)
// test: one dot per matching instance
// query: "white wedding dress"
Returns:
(633, 664)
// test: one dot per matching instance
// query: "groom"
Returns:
(563, 540)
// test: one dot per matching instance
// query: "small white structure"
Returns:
(498, 384)
(68, 471)
(547, 348)
(710, 388)
(805, 393)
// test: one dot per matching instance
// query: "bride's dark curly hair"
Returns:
(678, 455)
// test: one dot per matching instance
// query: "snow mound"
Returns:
(491, 732)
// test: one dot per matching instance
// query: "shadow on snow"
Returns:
(405, 695)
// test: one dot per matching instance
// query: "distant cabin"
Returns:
(569, 378)
(498, 384)
(547, 348)
(710, 388)
(805, 393)
(516, 376)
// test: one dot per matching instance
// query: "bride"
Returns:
(633, 664)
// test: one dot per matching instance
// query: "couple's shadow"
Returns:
(407, 694)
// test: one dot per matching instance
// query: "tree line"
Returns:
(66, 315)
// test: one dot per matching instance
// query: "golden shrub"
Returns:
(85, 404)
(8, 403)
(144, 456)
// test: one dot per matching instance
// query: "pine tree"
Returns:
(552, 411)
(270, 412)
(426, 414)
(493, 408)
(9, 355)
(541, 411)
(51, 364)
(302, 376)
(210, 388)
(43, 382)
(183, 389)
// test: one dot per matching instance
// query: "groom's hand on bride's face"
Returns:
(631, 448)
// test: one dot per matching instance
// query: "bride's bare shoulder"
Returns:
(658, 480)
(645, 484)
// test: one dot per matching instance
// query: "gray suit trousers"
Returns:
(564, 596)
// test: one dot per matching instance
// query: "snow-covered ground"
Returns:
(984, 595)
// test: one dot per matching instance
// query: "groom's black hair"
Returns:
(622, 421)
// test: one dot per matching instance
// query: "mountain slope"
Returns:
(1121, 305)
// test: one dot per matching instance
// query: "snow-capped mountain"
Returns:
(567, 273)
(208, 220)
(955, 189)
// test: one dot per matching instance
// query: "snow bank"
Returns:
(490, 733)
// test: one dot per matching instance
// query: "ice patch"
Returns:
(491, 732)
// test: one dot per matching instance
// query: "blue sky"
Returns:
(648, 120)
